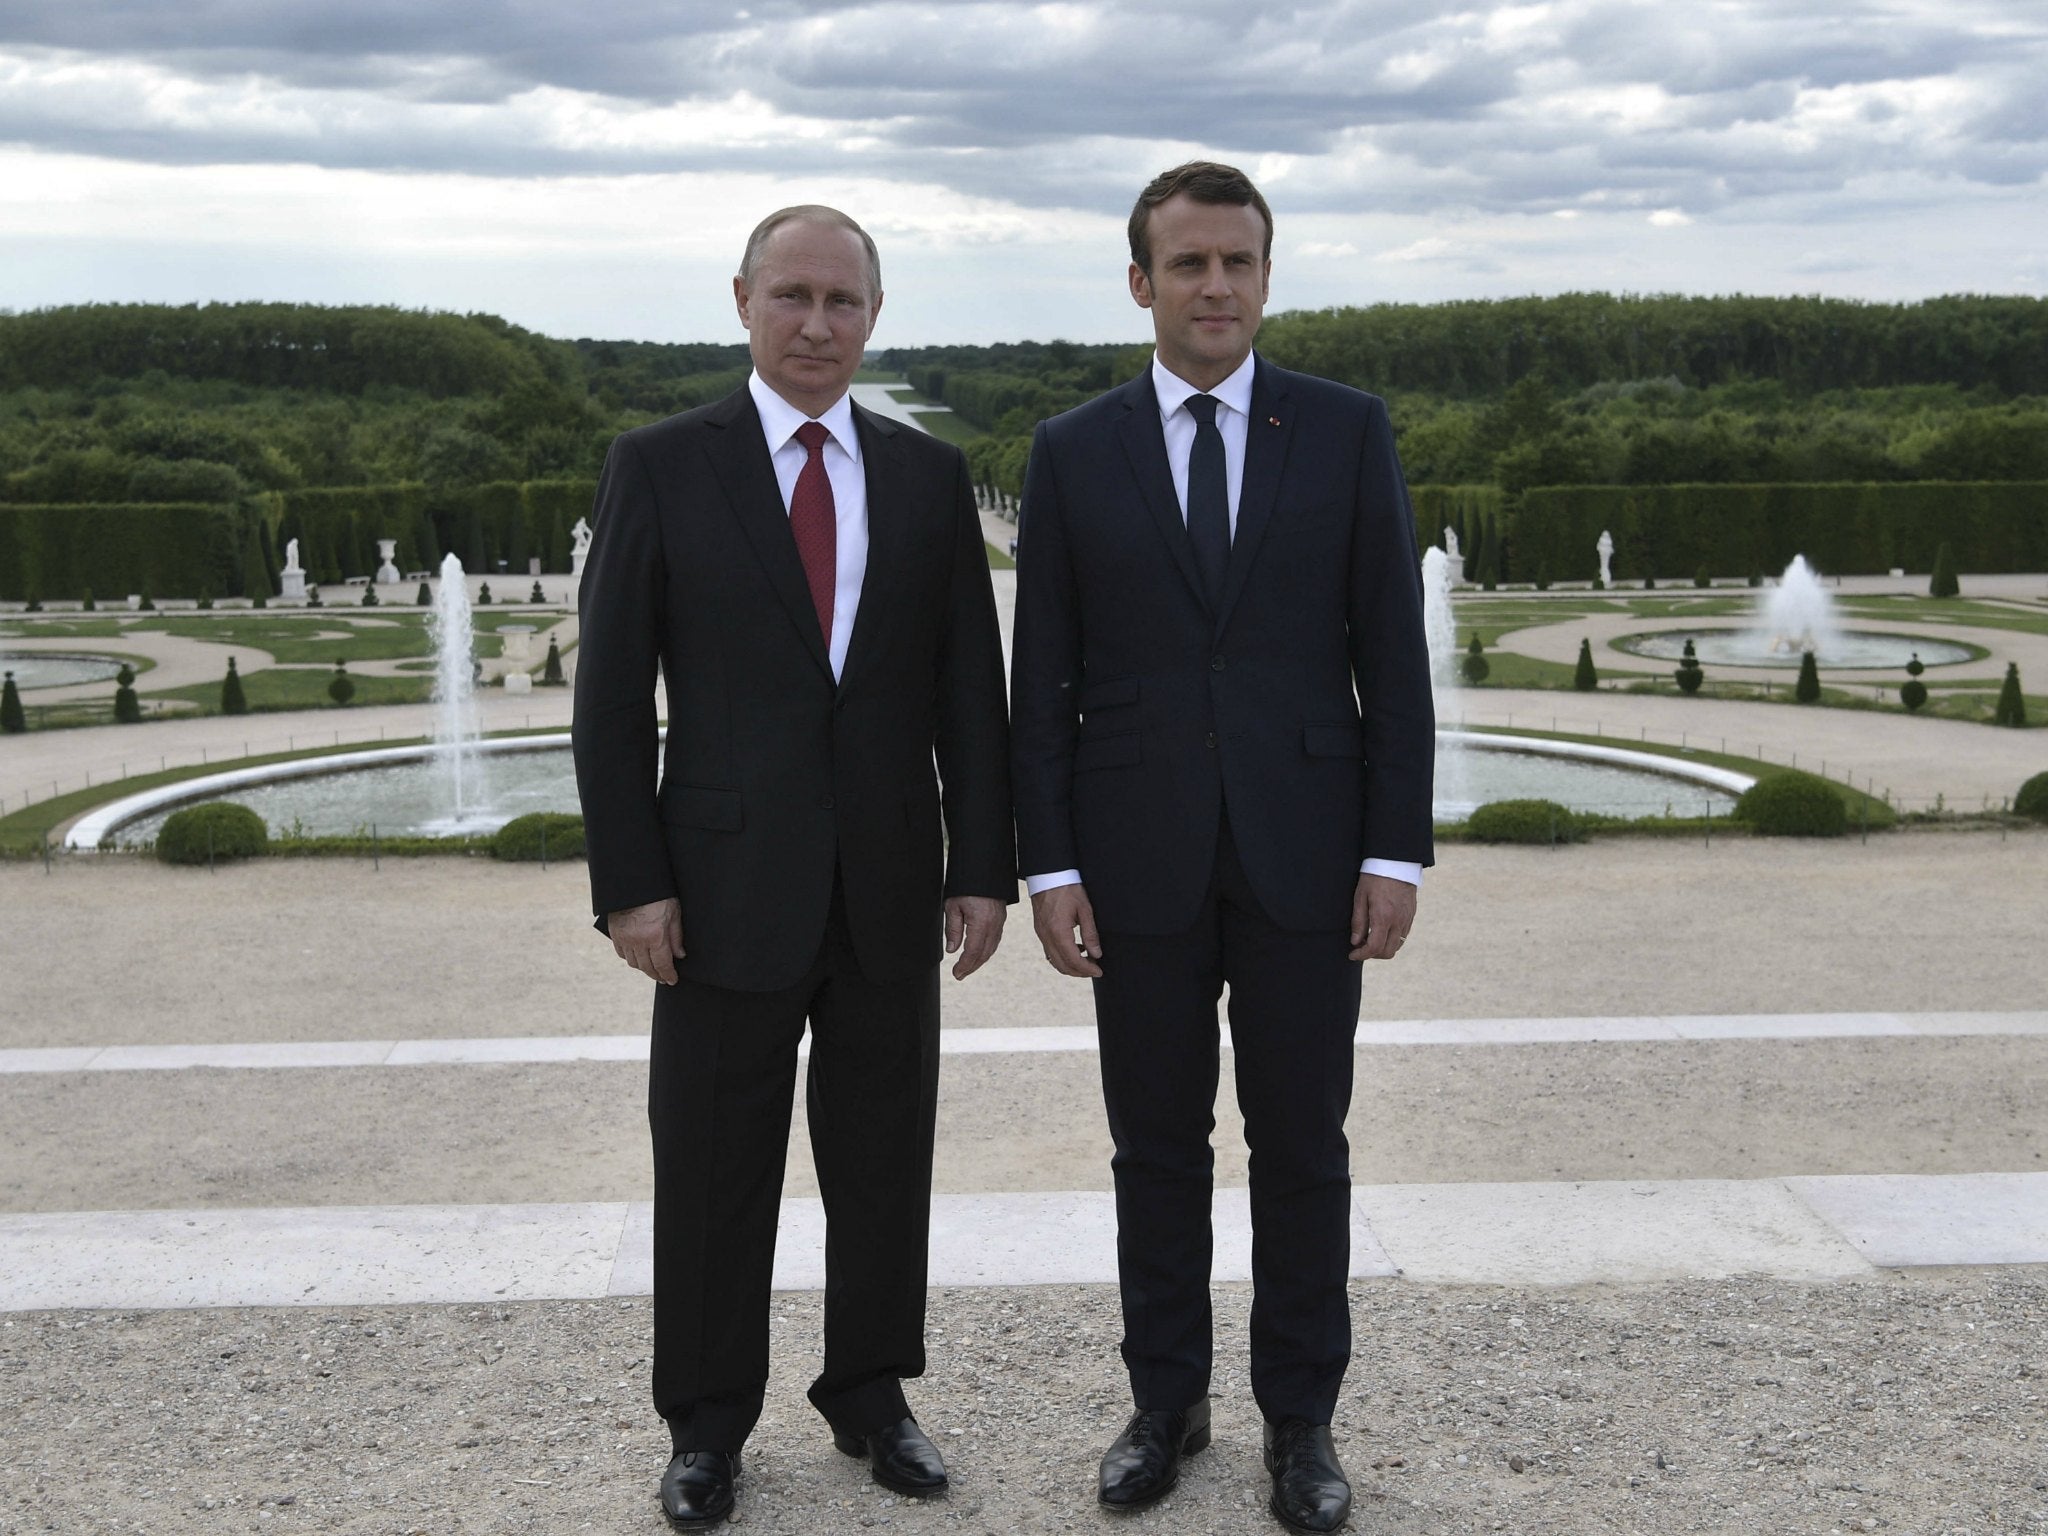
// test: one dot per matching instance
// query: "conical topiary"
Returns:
(1807, 689)
(425, 597)
(369, 597)
(127, 708)
(12, 718)
(483, 593)
(1690, 675)
(2012, 704)
(536, 595)
(1584, 678)
(232, 700)
(341, 687)
(85, 601)
(1943, 582)
(1473, 667)
(551, 673)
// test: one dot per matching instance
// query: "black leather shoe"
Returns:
(901, 1457)
(1143, 1464)
(1310, 1491)
(697, 1489)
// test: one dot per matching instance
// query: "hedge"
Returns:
(2032, 800)
(338, 527)
(1845, 530)
(203, 834)
(1524, 821)
(558, 834)
(1793, 804)
(168, 548)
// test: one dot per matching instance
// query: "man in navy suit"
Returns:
(1222, 745)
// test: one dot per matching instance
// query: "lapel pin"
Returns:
(1272, 421)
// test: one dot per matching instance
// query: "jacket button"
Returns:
(1216, 665)
(824, 802)
(1211, 738)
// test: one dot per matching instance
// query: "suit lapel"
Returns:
(739, 456)
(1267, 436)
(1145, 446)
(888, 529)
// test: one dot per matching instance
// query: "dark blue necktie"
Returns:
(1208, 499)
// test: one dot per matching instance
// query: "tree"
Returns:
(12, 718)
(341, 687)
(1807, 689)
(1474, 667)
(256, 583)
(1690, 674)
(2012, 704)
(1943, 582)
(232, 700)
(1584, 678)
(127, 708)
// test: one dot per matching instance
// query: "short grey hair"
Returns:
(808, 213)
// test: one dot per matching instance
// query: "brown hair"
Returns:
(1206, 182)
(809, 213)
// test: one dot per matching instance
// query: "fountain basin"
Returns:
(398, 789)
(58, 669)
(1845, 650)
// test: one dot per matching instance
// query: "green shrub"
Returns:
(1543, 578)
(1913, 693)
(1793, 804)
(536, 595)
(232, 700)
(2012, 704)
(13, 720)
(341, 687)
(522, 837)
(1690, 674)
(127, 708)
(551, 673)
(1584, 678)
(86, 603)
(1915, 666)
(1703, 577)
(1807, 689)
(202, 834)
(1756, 575)
(1943, 582)
(483, 593)
(2032, 800)
(1525, 821)
(146, 604)
(425, 597)
(1474, 667)
(369, 597)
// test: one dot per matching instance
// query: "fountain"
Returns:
(1799, 615)
(455, 730)
(1441, 630)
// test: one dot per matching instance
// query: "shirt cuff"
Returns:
(1033, 884)
(1393, 869)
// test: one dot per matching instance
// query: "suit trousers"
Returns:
(721, 1077)
(1293, 1014)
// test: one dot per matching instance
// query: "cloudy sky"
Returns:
(592, 168)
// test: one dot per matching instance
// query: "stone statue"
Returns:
(291, 584)
(1451, 541)
(291, 557)
(1606, 551)
(579, 545)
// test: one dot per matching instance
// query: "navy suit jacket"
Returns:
(776, 779)
(1299, 706)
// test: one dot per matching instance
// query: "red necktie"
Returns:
(815, 523)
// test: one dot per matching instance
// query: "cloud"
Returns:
(1670, 218)
(1319, 250)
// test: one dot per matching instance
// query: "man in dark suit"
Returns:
(812, 582)
(1222, 750)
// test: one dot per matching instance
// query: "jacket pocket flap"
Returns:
(1116, 751)
(1337, 740)
(1110, 691)
(695, 805)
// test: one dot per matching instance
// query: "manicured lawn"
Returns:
(305, 688)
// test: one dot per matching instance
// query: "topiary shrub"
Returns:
(86, 603)
(203, 834)
(425, 597)
(1703, 577)
(551, 673)
(13, 719)
(1943, 582)
(1542, 576)
(2012, 703)
(1756, 575)
(144, 603)
(1793, 804)
(1525, 821)
(1913, 693)
(369, 597)
(483, 593)
(1584, 678)
(1473, 666)
(2032, 800)
(341, 687)
(127, 708)
(1807, 689)
(232, 700)
(521, 838)
(536, 595)
(1689, 674)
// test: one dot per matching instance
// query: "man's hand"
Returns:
(1382, 912)
(649, 938)
(976, 921)
(1057, 914)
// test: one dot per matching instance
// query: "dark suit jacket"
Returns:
(773, 775)
(1302, 705)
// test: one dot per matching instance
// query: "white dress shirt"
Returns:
(779, 421)
(1233, 416)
